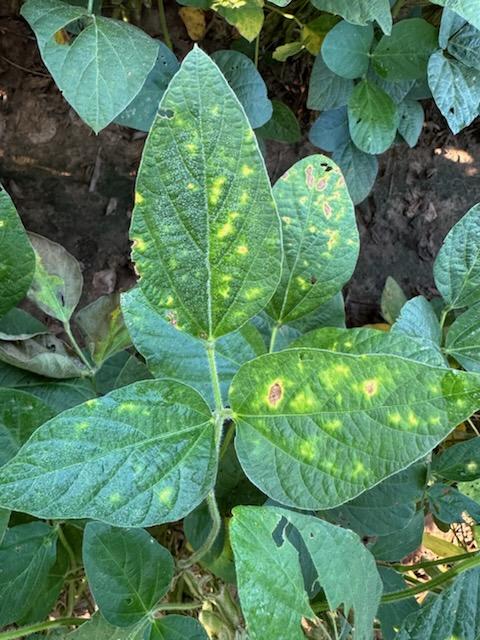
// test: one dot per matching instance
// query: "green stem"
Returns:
(77, 349)
(90, 6)
(227, 440)
(443, 316)
(273, 338)
(404, 568)
(73, 568)
(212, 534)
(21, 632)
(424, 586)
(163, 24)
(397, 7)
(287, 16)
(217, 393)
(179, 606)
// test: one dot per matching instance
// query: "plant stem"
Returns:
(212, 534)
(397, 7)
(273, 338)
(443, 316)
(217, 393)
(179, 606)
(227, 440)
(287, 16)
(163, 24)
(90, 6)
(424, 586)
(403, 568)
(257, 50)
(77, 349)
(73, 568)
(21, 632)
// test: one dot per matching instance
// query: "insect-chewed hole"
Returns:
(167, 114)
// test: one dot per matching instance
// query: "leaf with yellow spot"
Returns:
(284, 404)
(320, 237)
(17, 264)
(164, 444)
(128, 572)
(226, 226)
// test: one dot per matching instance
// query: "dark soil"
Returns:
(76, 188)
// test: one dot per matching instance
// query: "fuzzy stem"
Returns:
(212, 535)
(21, 632)
(90, 6)
(77, 349)
(163, 24)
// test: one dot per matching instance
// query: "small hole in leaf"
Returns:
(313, 279)
(168, 114)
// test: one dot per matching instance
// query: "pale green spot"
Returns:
(394, 418)
(115, 498)
(246, 170)
(242, 250)
(165, 496)
(253, 293)
(333, 425)
(226, 230)
(127, 407)
(307, 451)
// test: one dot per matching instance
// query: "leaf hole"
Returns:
(313, 280)
(166, 114)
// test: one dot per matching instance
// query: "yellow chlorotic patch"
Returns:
(191, 147)
(303, 200)
(190, 186)
(307, 450)
(127, 407)
(394, 418)
(339, 399)
(227, 277)
(165, 495)
(169, 301)
(216, 189)
(139, 198)
(413, 420)
(333, 238)
(115, 498)
(348, 345)
(224, 292)
(253, 293)
(139, 245)
(226, 230)
(301, 402)
(333, 425)
(246, 170)
(91, 403)
(244, 198)
(2, 223)
(358, 469)
(471, 467)
(215, 110)
(434, 420)
(460, 402)
(233, 215)
(81, 426)
(242, 250)
(287, 220)
(370, 387)
(302, 283)
(312, 228)
(434, 388)
(342, 369)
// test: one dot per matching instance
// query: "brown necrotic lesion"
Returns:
(275, 394)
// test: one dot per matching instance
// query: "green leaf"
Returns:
(317, 428)
(451, 23)
(103, 325)
(97, 628)
(100, 70)
(175, 354)
(393, 614)
(118, 371)
(404, 55)
(26, 555)
(20, 414)
(393, 299)
(359, 169)
(285, 51)
(398, 90)
(467, 9)
(247, 18)
(142, 455)
(330, 130)
(204, 200)
(248, 85)
(4, 518)
(141, 112)
(455, 88)
(411, 121)
(461, 462)
(283, 125)
(418, 319)
(395, 546)
(57, 284)
(177, 628)
(18, 259)
(269, 577)
(128, 572)
(327, 90)
(59, 395)
(359, 12)
(448, 505)
(465, 46)
(388, 507)
(451, 614)
(371, 341)
(457, 265)
(373, 118)
(346, 49)
(259, 535)
(320, 237)
(43, 354)
(18, 322)
(463, 339)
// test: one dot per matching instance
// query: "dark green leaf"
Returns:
(451, 23)
(248, 85)
(398, 545)
(418, 319)
(373, 118)
(411, 121)
(465, 46)
(177, 628)
(18, 322)
(360, 170)
(448, 505)
(97, 628)
(346, 49)
(128, 572)
(26, 555)
(461, 462)
(204, 200)
(457, 266)
(119, 371)
(467, 9)
(404, 55)
(330, 130)
(393, 299)
(392, 615)
(327, 90)
(18, 260)
(283, 125)
(100, 70)
(317, 428)
(320, 237)
(359, 12)
(142, 455)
